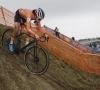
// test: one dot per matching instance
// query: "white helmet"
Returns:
(40, 14)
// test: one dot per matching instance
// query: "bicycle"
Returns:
(36, 58)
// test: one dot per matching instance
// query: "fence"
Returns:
(61, 47)
(71, 42)
(6, 17)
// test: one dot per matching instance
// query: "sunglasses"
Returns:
(39, 19)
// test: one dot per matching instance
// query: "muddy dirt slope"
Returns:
(59, 76)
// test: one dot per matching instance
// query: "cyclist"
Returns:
(25, 16)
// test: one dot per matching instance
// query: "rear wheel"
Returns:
(39, 63)
(18, 42)
(6, 39)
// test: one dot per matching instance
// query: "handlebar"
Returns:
(42, 38)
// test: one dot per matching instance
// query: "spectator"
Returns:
(94, 44)
(57, 32)
(95, 47)
(44, 25)
(90, 45)
(73, 38)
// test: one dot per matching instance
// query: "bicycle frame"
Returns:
(34, 41)
(35, 57)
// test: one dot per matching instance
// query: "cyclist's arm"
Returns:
(28, 27)
(39, 28)
(28, 24)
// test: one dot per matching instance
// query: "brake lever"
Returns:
(47, 39)
(42, 38)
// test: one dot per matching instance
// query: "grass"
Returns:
(59, 76)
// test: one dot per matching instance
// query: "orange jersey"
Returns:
(28, 15)
(25, 13)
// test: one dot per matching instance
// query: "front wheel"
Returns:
(38, 63)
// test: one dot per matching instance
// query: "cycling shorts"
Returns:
(18, 18)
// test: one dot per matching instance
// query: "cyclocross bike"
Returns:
(36, 58)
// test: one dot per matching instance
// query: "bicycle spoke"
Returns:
(39, 64)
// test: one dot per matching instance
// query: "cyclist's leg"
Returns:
(27, 37)
(24, 30)
(27, 41)
(16, 29)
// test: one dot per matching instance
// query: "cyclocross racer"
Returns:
(25, 16)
